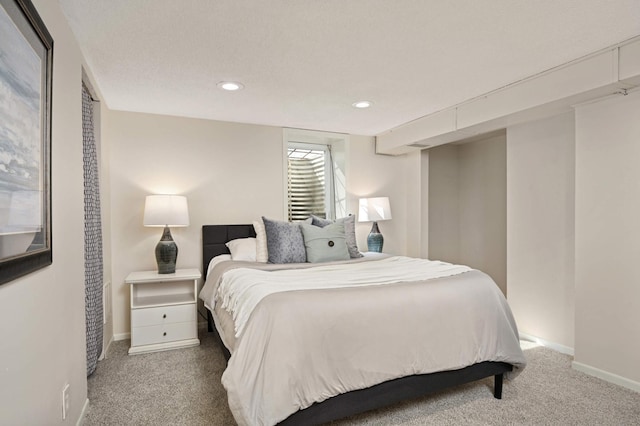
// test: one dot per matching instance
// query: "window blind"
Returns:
(306, 189)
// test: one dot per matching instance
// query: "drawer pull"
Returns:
(164, 316)
(164, 334)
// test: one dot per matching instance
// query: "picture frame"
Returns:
(25, 140)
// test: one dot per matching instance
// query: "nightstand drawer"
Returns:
(163, 315)
(163, 333)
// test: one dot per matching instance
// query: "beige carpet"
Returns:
(182, 387)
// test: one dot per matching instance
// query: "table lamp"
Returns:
(166, 211)
(374, 210)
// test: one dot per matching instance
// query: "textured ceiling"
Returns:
(304, 62)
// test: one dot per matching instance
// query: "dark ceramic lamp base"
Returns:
(166, 253)
(375, 239)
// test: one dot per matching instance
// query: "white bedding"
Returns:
(240, 290)
(304, 346)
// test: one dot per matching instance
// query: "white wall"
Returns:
(483, 207)
(42, 320)
(467, 205)
(423, 196)
(444, 211)
(371, 175)
(231, 173)
(607, 246)
(416, 227)
(540, 227)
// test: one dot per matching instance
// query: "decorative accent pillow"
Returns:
(325, 244)
(262, 254)
(243, 249)
(284, 242)
(320, 221)
(349, 223)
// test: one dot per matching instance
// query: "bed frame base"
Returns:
(393, 391)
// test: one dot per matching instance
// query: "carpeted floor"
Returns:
(182, 387)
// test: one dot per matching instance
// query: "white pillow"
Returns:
(262, 254)
(216, 260)
(243, 249)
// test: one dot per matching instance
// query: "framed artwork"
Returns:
(26, 59)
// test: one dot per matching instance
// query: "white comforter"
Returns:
(242, 289)
(297, 347)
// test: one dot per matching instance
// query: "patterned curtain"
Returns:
(92, 237)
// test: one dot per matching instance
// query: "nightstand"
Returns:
(164, 313)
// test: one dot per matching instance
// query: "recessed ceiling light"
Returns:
(362, 104)
(230, 85)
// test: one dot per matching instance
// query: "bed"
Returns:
(331, 404)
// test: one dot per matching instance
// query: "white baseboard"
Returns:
(83, 413)
(587, 369)
(606, 376)
(547, 344)
(121, 336)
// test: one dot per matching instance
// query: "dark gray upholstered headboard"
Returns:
(214, 238)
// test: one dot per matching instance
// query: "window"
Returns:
(315, 181)
(309, 181)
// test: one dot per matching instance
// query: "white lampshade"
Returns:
(374, 209)
(166, 210)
